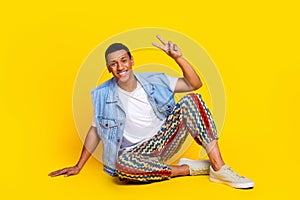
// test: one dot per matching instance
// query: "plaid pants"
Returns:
(146, 162)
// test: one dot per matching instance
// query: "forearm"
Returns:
(191, 81)
(189, 73)
(91, 142)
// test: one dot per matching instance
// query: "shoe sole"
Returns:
(235, 185)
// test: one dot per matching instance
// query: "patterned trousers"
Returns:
(146, 162)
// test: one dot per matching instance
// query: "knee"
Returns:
(194, 95)
(191, 98)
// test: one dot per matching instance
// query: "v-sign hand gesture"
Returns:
(169, 48)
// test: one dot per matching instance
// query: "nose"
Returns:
(120, 66)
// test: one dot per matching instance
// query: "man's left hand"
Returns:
(169, 48)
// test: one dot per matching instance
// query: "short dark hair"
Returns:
(116, 47)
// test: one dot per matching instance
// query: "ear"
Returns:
(132, 60)
(108, 69)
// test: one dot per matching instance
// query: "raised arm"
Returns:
(91, 142)
(190, 80)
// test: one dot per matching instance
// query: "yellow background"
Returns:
(254, 44)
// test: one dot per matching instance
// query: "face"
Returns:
(120, 65)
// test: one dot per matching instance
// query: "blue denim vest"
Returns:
(110, 116)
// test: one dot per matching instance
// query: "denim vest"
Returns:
(110, 116)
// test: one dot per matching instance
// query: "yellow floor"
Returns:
(255, 47)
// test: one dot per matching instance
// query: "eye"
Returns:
(124, 60)
(113, 64)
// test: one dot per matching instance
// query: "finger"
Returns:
(170, 44)
(69, 173)
(175, 47)
(54, 173)
(58, 172)
(159, 46)
(161, 40)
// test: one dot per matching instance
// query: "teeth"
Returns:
(122, 73)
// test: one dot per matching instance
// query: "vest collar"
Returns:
(148, 86)
(113, 94)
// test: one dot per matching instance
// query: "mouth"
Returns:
(123, 73)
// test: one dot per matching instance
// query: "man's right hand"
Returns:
(68, 171)
(91, 141)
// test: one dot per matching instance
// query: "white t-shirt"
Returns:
(141, 122)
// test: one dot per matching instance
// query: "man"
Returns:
(141, 126)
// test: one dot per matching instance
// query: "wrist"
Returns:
(178, 58)
(78, 166)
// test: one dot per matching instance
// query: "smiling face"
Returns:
(120, 65)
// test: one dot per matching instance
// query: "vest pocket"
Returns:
(108, 123)
(108, 127)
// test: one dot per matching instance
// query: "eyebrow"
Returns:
(123, 56)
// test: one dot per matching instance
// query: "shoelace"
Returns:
(231, 172)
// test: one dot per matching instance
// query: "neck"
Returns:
(129, 85)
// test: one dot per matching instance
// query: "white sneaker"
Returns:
(197, 167)
(227, 176)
